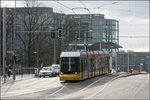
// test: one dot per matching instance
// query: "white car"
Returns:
(56, 68)
(143, 72)
(47, 71)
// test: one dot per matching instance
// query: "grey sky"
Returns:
(133, 17)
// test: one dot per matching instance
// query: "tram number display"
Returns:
(66, 61)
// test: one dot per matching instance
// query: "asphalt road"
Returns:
(101, 87)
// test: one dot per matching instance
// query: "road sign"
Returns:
(12, 52)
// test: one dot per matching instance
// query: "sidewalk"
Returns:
(124, 74)
(18, 77)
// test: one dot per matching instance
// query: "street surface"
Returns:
(101, 87)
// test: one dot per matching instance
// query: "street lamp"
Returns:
(141, 64)
(36, 58)
(129, 60)
(148, 61)
(85, 42)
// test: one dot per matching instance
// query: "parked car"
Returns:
(56, 68)
(143, 72)
(47, 71)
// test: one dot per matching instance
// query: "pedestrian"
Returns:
(6, 71)
(9, 71)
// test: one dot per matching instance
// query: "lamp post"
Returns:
(128, 62)
(141, 64)
(4, 44)
(36, 58)
(135, 59)
(14, 36)
(148, 61)
(85, 42)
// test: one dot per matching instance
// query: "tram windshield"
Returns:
(70, 65)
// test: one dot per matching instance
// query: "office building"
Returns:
(98, 32)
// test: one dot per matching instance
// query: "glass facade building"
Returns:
(100, 33)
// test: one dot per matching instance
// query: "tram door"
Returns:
(92, 67)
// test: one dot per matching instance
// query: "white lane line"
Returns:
(24, 91)
(138, 90)
(54, 92)
(93, 83)
(106, 84)
(16, 93)
(87, 86)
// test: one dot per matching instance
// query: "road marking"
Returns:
(93, 83)
(87, 86)
(27, 90)
(106, 84)
(9, 94)
(54, 92)
(138, 90)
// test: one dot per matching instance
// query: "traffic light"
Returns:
(60, 32)
(52, 35)
(15, 58)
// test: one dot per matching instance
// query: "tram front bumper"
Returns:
(70, 77)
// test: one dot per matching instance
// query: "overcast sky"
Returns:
(133, 17)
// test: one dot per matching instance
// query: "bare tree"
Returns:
(32, 34)
(0, 36)
(32, 20)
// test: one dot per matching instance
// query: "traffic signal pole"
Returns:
(54, 34)
(4, 44)
(54, 51)
(14, 56)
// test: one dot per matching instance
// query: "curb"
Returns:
(129, 74)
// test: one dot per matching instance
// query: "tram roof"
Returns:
(79, 54)
(70, 54)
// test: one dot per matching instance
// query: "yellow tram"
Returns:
(83, 65)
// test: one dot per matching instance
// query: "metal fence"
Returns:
(24, 70)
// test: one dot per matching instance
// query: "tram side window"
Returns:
(101, 62)
(97, 64)
(107, 61)
(84, 65)
(92, 63)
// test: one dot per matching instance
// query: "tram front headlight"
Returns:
(76, 73)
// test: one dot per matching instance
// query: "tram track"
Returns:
(105, 85)
(65, 87)
(66, 84)
(85, 88)
(43, 98)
